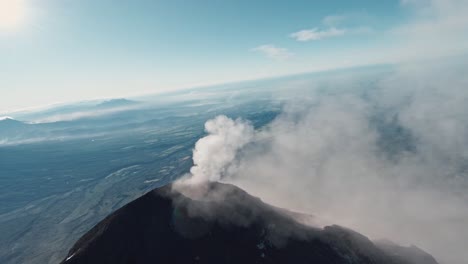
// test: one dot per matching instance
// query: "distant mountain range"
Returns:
(73, 110)
(167, 226)
(67, 121)
(120, 102)
(114, 118)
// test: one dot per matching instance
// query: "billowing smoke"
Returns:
(389, 159)
(386, 156)
(214, 154)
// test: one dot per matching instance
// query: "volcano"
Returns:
(221, 223)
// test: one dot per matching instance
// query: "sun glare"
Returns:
(12, 14)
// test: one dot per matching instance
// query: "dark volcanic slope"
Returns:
(164, 226)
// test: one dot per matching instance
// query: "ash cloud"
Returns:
(389, 160)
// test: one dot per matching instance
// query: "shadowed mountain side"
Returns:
(226, 226)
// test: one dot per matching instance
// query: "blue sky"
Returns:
(67, 50)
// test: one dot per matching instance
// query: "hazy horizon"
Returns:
(61, 51)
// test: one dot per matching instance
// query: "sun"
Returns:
(12, 14)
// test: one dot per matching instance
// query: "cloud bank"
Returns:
(438, 29)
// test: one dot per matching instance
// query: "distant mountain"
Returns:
(77, 110)
(10, 125)
(166, 226)
(113, 103)
(14, 130)
(9, 120)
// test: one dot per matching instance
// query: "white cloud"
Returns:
(332, 28)
(433, 29)
(316, 34)
(273, 52)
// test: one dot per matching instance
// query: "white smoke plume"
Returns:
(214, 154)
(389, 160)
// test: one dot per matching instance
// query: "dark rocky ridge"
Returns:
(165, 226)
